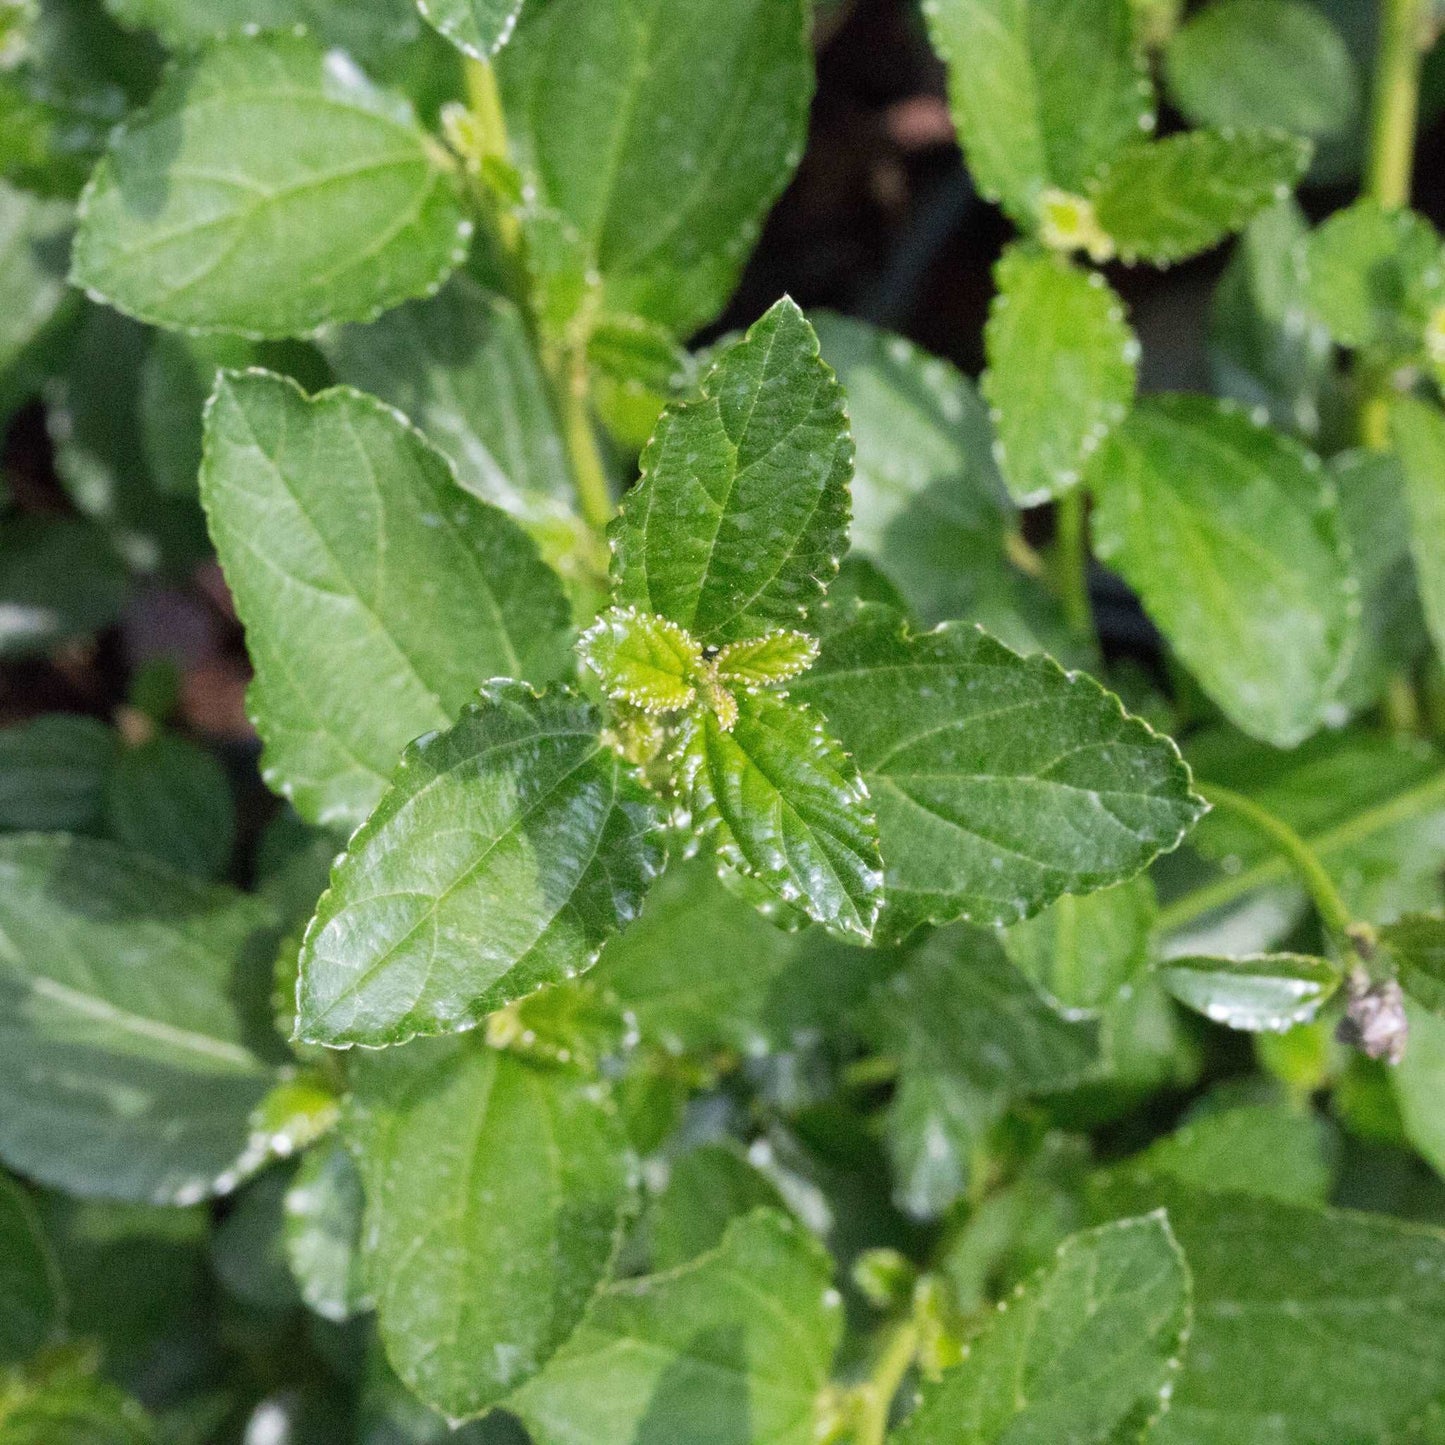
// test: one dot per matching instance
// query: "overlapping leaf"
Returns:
(268, 189)
(376, 594)
(504, 854)
(1258, 992)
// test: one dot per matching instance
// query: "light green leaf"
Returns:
(494, 1195)
(642, 659)
(376, 594)
(970, 1035)
(462, 367)
(478, 27)
(1261, 992)
(60, 580)
(710, 996)
(1061, 370)
(1081, 951)
(504, 854)
(742, 511)
(172, 800)
(1230, 534)
(734, 1346)
(1375, 276)
(53, 773)
(1415, 947)
(1000, 782)
(664, 166)
(783, 803)
(1273, 1150)
(323, 1233)
(1275, 63)
(367, 31)
(1376, 520)
(1357, 1295)
(31, 1294)
(268, 189)
(929, 507)
(775, 657)
(1419, 432)
(63, 1405)
(1086, 1348)
(1266, 347)
(1042, 95)
(1173, 198)
(1417, 1079)
(707, 1188)
(125, 1069)
(34, 235)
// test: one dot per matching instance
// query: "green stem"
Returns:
(1395, 102)
(1071, 560)
(594, 492)
(1204, 901)
(485, 101)
(875, 1396)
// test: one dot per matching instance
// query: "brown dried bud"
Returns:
(1375, 1021)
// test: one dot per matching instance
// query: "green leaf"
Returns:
(504, 854)
(1376, 520)
(929, 507)
(970, 1035)
(34, 236)
(1415, 947)
(463, 368)
(742, 511)
(1273, 1150)
(478, 27)
(172, 800)
(1061, 370)
(1261, 992)
(707, 1189)
(733, 1346)
(1419, 432)
(783, 803)
(248, 1251)
(1375, 276)
(1273, 63)
(376, 594)
(60, 580)
(642, 659)
(32, 1300)
(1173, 198)
(366, 31)
(1000, 782)
(125, 1068)
(1417, 1079)
(775, 657)
(1297, 1311)
(1267, 348)
(1043, 95)
(268, 189)
(1082, 951)
(664, 166)
(713, 994)
(494, 1195)
(53, 774)
(1230, 534)
(323, 1234)
(64, 1406)
(1086, 1348)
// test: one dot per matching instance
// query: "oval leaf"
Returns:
(1230, 534)
(1000, 781)
(494, 1195)
(505, 853)
(375, 593)
(1262, 992)
(268, 189)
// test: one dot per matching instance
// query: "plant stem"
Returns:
(1071, 560)
(1399, 809)
(1395, 102)
(875, 1396)
(1332, 908)
(594, 492)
